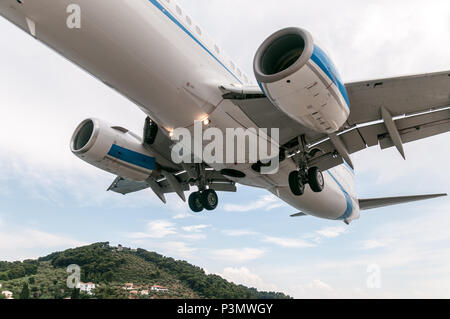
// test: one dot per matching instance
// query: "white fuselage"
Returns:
(159, 59)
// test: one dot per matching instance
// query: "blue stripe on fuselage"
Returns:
(349, 210)
(182, 27)
(132, 157)
(326, 65)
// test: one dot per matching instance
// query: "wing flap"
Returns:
(366, 204)
(419, 127)
(410, 128)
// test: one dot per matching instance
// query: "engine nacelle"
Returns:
(113, 149)
(300, 79)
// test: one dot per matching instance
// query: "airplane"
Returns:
(153, 53)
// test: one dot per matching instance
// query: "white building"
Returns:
(86, 287)
(159, 288)
(7, 294)
(129, 286)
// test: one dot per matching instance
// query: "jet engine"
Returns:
(113, 149)
(299, 78)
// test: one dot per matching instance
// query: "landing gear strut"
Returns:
(206, 199)
(305, 175)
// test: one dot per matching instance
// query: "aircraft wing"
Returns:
(386, 112)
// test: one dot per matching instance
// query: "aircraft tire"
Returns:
(316, 180)
(195, 202)
(295, 184)
(209, 199)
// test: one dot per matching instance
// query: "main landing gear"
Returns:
(299, 179)
(305, 175)
(206, 199)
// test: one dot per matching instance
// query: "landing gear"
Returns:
(206, 199)
(304, 175)
(299, 179)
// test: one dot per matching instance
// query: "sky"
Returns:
(50, 200)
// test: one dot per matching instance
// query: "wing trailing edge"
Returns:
(366, 204)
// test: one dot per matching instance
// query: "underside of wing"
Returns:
(401, 96)
(386, 112)
(405, 129)
(372, 203)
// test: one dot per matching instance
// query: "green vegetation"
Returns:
(25, 293)
(9, 271)
(110, 268)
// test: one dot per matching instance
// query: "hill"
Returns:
(110, 268)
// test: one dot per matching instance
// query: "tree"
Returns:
(31, 280)
(25, 293)
(75, 294)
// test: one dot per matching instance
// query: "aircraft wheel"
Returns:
(210, 200)
(195, 202)
(295, 184)
(316, 180)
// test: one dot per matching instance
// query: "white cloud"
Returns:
(239, 232)
(178, 249)
(314, 289)
(332, 232)
(160, 229)
(156, 229)
(266, 202)
(195, 228)
(18, 243)
(243, 276)
(375, 243)
(182, 215)
(194, 236)
(288, 242)
(238, 255)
